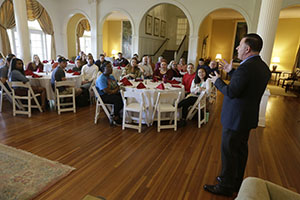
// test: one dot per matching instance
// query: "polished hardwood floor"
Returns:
(119, 165)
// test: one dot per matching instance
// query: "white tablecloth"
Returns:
(48, 67)
(150, 95)
(45, 81)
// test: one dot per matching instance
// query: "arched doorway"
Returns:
(79, 35)
(287, 40)
(164, 30)
(220, 33)
(117, 35)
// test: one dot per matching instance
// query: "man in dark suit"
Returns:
(240, 112)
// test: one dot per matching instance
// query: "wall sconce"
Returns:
(218, 57)
(275, 60)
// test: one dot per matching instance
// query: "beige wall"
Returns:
(205, 30)
(223, 32)
(286, 43)
(71, 34)
(112, 36)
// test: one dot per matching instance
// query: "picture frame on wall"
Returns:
(148, 25)
(163, 28)
(156, 26)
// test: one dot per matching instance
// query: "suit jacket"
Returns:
(243, 94)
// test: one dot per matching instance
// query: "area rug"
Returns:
(279, 91)
(24, 175)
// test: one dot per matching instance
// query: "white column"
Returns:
(22, 29)
(135, 45)
(193, 49)
(94, 28)
(267, 26)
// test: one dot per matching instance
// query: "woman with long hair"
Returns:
(199, 84)
(132, 70)
(16, 73)
(35, 64)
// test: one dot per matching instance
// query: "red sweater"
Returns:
(187, 81)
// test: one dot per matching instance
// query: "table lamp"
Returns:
(275, 60)
(218, 57)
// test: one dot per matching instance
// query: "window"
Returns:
(182, 25)
(40, 43)
(85, 42)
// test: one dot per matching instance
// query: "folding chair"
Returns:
(166, 102)
(91, 90)
(60, 95)
(108, 108)
(29, 97)
(133, 102)
(8, 94)
(198, 106)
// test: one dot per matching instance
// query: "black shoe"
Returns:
(219, 190)
(181, 123)
(236, 187)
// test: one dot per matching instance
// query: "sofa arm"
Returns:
(277, 192)
(253, 189)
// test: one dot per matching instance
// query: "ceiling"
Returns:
(116, 16)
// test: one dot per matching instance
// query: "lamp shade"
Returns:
(114, 52)
(218, 56)
(276, 60)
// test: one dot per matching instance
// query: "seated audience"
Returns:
(188, 78)
(149, 60)
(35, 64)
(132, 71)
(213, 67)
(199, 84)
(120, 61)
(78, 66)
(109, 91)
(182, 67)
(137, 57)
(5, 68)
(173, 71)
(84, 59)
(157, 65)
(55, 64)
(101, 62)
(59, 74)
(146, 68)
(89, 73)
(16, 73)
(161, 73)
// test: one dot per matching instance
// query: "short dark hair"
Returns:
(201, 59)
(9, 57)
(101, 55)
(254, 41)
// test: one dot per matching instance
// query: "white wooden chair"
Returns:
(91, 90)
(198, 106)
(213, 94)
(60, 96)
(166, 102)
(8, 94)
(30, 96)
(108, 108)
(133, 102)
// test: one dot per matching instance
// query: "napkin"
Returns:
(52, 62)
(138, 79)
(70, 71)
(36, 76)
(119, 67)
(76, 73)
(45, 61)
(140, 86)
(155, 79)
(174, 81)
(28, 73)
(39, 70)
(71, 61)
(161, 86)
(126, 82)
(177, 86)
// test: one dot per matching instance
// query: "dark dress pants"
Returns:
(185, 104)
(234, 154)
(115, 99)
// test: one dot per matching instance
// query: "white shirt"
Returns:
(147, 69)
(195, 88)
(89, 73)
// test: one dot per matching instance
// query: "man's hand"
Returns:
(225, 65)
(214, 78)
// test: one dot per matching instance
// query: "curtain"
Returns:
(7, 21)
(83, 25)
(297, 61)
(36, 11)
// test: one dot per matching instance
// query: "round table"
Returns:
(45, 82)
(150, 95)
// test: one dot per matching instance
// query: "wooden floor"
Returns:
(119, 165)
